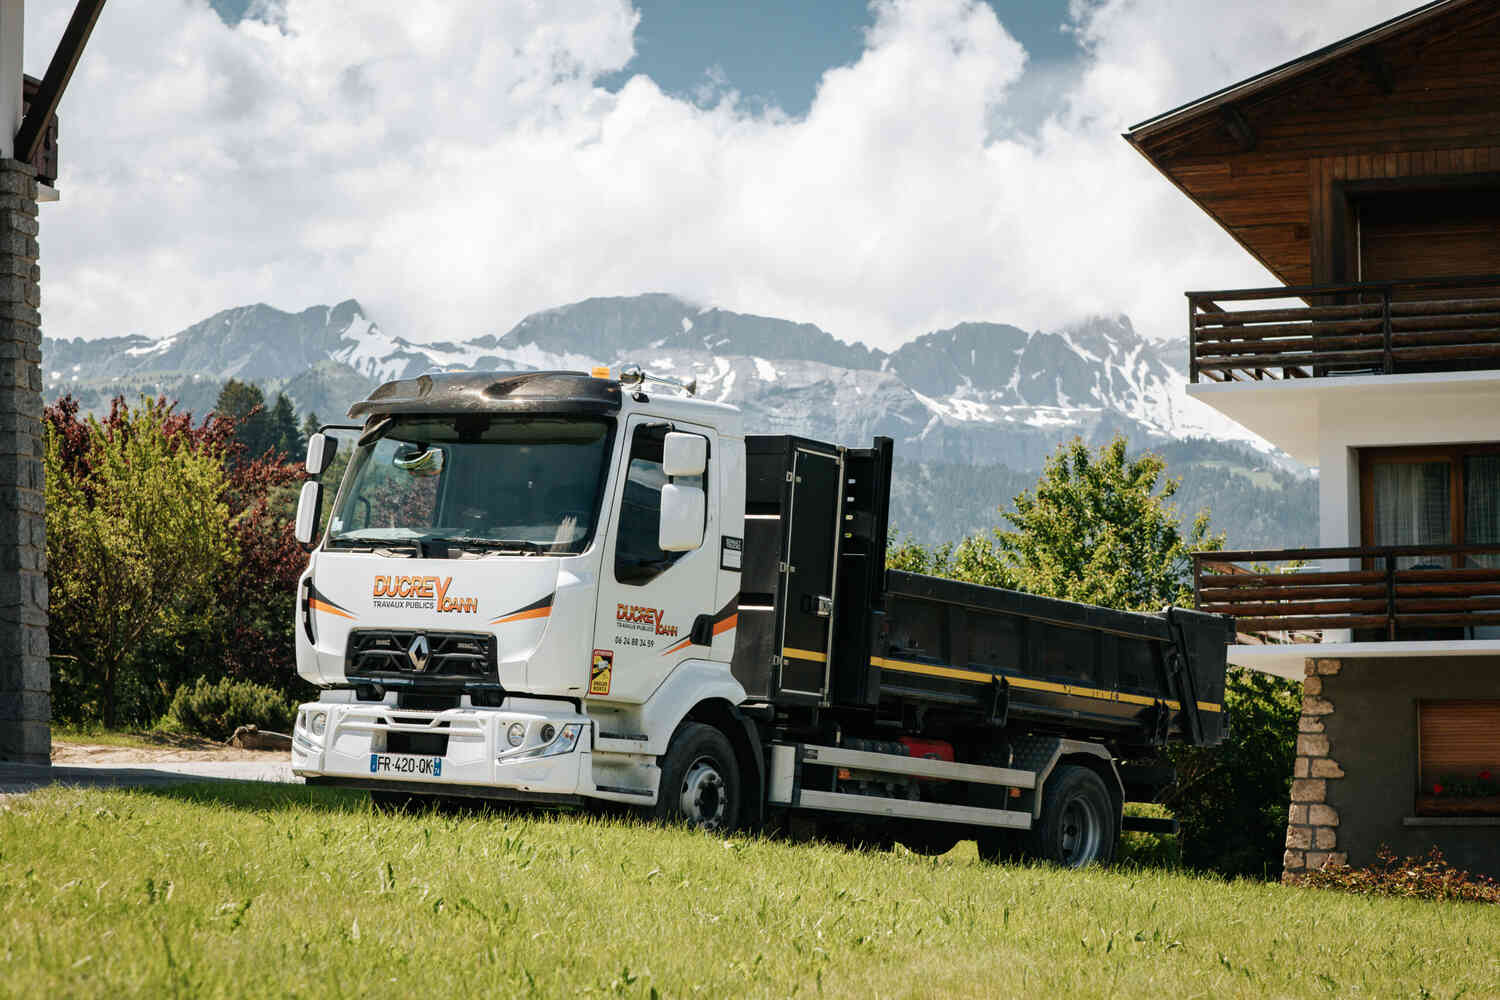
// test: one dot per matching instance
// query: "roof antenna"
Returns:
(633, 375)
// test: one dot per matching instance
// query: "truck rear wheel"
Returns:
(1078, 825)
(700, 780)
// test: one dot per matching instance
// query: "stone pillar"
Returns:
(25, 686)
(1312, 831)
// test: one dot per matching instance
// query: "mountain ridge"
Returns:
(978, 394)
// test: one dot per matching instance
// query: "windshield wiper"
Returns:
(382, 546)
(489, 544)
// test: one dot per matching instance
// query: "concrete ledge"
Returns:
(1451, 821)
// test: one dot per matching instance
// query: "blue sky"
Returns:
(775, 51)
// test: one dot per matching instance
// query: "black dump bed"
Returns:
(822, 623)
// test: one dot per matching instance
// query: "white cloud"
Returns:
(456, 167)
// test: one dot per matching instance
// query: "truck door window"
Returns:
(638, 560)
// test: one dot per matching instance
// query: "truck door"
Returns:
(808, 573)
(650, 599)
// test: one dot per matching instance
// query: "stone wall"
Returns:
(25, 703)
(1354, 787)
(1312, 832)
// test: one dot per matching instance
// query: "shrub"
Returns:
(1231, 800)
(1430, 877)
(216, 709)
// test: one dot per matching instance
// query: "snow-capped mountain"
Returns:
(975, 393)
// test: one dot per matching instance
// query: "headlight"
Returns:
(562, 742)
(516, 734)
(319, 723)
(548, 732)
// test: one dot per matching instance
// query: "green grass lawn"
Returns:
(230, 890)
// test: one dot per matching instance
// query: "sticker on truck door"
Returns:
(602, 671)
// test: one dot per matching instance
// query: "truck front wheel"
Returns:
(700, 781)
(1078, 825)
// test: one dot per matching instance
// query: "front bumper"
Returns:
(346, 746)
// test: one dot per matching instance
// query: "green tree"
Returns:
(138, 535)
(1231, 800)
(310, 427)
(284, 436)
(245, 404)
(976, 559)
(1100, 527)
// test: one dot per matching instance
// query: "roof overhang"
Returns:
(1225, 96)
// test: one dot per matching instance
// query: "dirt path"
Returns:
(179, 753)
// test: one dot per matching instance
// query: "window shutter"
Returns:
(1459, 738)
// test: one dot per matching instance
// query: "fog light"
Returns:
(319, 723)
(516, 734)
(548, 731)
(565, 742)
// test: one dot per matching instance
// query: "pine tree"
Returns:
(285, 436)
(245, 404)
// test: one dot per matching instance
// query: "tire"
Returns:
(700, 780)
(1079, 825)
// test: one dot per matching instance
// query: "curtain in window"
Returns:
(1482, 505)
(1412, 507)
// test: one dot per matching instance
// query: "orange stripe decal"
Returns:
(523, 615)
(318, 605)
(732, 621)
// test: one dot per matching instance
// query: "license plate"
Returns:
(406, 765)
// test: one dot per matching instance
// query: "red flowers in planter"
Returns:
(1437, 789)
(1485, 776)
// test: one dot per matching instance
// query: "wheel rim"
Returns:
(704, 799)
(1081, 832)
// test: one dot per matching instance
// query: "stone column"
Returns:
(1312, 832)
(25, 686)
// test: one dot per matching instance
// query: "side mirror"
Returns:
(309, 512)
(682, 509)
(684, 454)
(320, 451)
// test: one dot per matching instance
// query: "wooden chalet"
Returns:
(1366, 178)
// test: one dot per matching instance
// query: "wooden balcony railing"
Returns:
(1381, 592)
(1355, 328)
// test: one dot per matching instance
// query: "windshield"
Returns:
(475, 481)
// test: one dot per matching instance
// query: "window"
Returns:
(1458, 758)
(1447, 495)
(638, 560)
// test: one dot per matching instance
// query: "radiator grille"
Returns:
(421, 654)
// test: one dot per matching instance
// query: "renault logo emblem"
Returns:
(419, 653)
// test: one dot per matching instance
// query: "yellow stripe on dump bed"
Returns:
(978, 677)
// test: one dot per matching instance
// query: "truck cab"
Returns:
(520, 586)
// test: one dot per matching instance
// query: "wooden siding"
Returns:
(1285, 198)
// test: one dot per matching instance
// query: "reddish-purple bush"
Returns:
(250, 638)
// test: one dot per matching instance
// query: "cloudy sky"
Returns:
(880, 170)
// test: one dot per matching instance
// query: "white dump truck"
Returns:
(564, 587)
